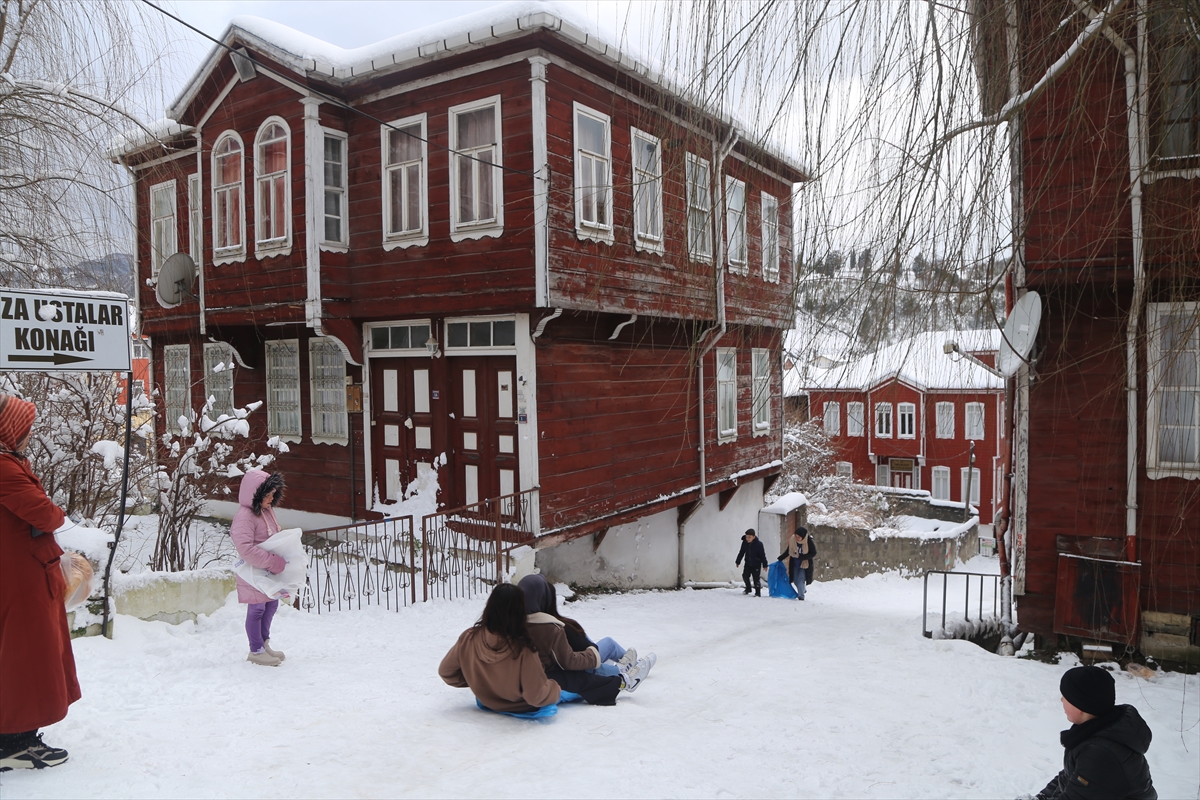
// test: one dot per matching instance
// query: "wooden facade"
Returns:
(1108, 234)
(544, 348)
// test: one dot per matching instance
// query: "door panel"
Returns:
(402, 423)
(484, 427)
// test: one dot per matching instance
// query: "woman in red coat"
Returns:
(37, 667)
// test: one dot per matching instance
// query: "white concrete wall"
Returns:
(645, 554)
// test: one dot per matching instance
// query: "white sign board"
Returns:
(62, 330)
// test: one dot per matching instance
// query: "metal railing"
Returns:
(368, 564)
(979, 602)
(465, 551)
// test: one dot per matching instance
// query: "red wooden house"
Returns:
(908, 415)
(539, 265)
(1106, 495)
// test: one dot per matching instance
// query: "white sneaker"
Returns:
(629, 682)
(638, 672)
(628, 660)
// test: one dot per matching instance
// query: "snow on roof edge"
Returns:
(304, 53)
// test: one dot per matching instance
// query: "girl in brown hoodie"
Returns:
(496, 659)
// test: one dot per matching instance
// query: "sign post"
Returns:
(60, 330)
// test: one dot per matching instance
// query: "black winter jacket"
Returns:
(1105, 758)
(753, 552)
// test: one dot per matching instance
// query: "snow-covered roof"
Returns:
(919, 361)
(308, 55)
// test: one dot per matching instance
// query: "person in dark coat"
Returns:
(756, 561)
(1105, 747)
(37, 665)
(799, 555)
(569, 668)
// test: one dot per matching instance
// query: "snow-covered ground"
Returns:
(839, 696)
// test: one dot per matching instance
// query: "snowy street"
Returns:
(839, 696)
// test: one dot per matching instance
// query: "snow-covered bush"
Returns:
(809, 466)
(195, 466)
(77, 447)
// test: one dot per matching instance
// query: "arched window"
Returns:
(272, 205)
(228, 217)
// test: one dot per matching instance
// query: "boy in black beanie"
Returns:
(756, 561)
(1105, 746)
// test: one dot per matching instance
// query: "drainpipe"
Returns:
(716, 184)
(683, 521)
(1135, 111)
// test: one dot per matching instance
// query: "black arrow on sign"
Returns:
(58, 359)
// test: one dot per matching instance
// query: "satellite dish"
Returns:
(175, 279)
(1020, 331)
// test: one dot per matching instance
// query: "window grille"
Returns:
(327, 391)
(283, 388)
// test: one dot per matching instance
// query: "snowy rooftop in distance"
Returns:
(918, 361)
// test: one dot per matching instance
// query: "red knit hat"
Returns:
(16, 418)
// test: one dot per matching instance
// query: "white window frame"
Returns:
(944, 413)
(1156, 364)
(883, 420)
(494, 349)
(883, 474)
(976, 493)
(940, 490)
(906, 412)
(460, 231)
(235, 252)
(196, 218)
(283, 379)
(760, 368)
(770, 238)
(333, 384)
(219, 385)
(736, 227)
(699, 205)
(412, 349)
(593, 230)
(831, 416)
(278, 243)
(974, 429)
(855, 419)
(164, 229)
(414, 237)
(726, 394)
(342, 192)
(647, 185)
(177, 394)
(1000, 420)
(844, 469)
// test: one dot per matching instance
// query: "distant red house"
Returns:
(908, 415)
(1106, 495)
(140, 359)
(540, 267)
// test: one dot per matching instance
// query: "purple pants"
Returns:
(258, 623)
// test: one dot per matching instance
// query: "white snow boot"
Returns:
(263, 659)
(277, 653)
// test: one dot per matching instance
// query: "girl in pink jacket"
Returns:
(253, 524)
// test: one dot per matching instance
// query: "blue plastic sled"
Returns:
(542, 713)
(778, 584)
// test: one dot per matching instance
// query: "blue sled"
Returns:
(542, 713)
(778, 584)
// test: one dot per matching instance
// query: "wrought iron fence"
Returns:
(368, 564)
(465, 551)
(977, 596)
